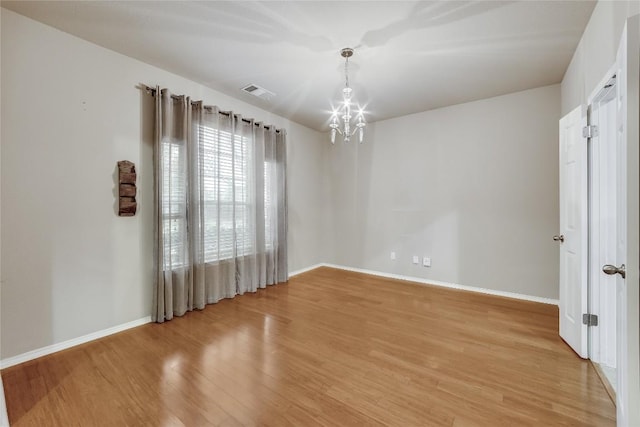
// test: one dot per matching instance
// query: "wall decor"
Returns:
(127, 188)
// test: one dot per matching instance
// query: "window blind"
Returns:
(229, 206)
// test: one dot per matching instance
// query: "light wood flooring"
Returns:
(329, 348)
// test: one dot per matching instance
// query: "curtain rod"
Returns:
(224, 113)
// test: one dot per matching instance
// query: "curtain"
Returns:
(221, 208)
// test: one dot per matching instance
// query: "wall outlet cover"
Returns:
(426, 262)
(416, 260)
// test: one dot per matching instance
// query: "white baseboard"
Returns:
(447, 285)
(304, 270)
(34, 354)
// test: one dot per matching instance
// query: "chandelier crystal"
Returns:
(345, 110)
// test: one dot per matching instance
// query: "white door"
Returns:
(573, 231)
(627, 253)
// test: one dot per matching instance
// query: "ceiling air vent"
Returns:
(258, 91)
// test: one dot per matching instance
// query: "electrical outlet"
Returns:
(426, 261)
(416, 260)
(393, 255)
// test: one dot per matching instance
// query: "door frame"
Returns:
(596, 281)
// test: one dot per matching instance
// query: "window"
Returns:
(229, 205)
(174, 203)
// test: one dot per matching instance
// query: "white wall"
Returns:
(70, 111)
(596, 52)
(473, 186)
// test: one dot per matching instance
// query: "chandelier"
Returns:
(344, 111)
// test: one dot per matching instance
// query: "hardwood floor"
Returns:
(329, 348)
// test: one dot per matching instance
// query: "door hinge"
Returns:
(590, 131)
(590, 319)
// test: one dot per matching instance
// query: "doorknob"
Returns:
(612, 269)
(559, 238)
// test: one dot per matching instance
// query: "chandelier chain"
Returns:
(346, 71)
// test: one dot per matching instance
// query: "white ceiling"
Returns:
(410, 56)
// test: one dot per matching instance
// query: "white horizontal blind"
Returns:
(174, 202)
(228, 198)
(227, 205)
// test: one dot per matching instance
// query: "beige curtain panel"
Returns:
(221, 208)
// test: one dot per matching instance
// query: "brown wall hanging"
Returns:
(127, 188)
